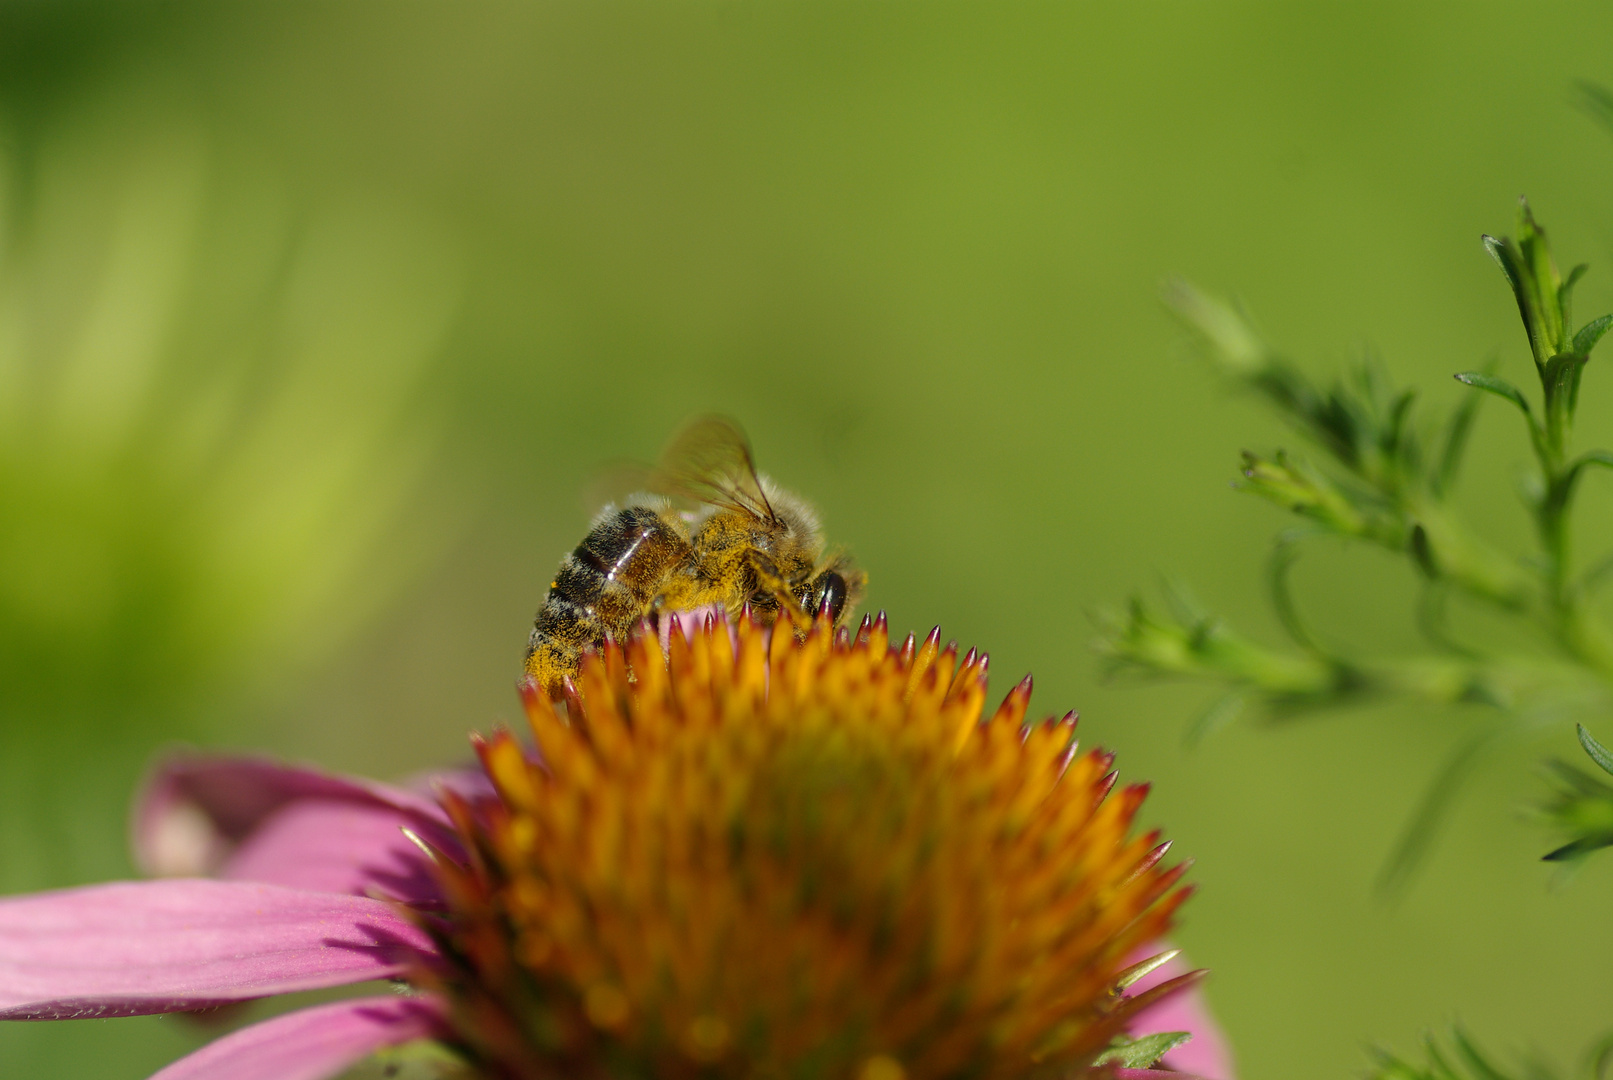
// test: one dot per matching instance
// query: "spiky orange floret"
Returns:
(753, 857)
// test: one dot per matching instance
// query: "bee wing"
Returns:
(616, 483)
(709, 461)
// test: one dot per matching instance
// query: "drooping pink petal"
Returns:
(312, 1044)
(468, 781)
(335, 845)
(1208, 1053)
(131, 948)
(251, 818)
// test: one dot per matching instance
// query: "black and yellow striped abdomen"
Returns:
(604, 587)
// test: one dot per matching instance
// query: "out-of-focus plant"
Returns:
(1380, 477)
(1582, 808)
(1463, 1060)
(210, 418)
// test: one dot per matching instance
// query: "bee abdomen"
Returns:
(602, 588)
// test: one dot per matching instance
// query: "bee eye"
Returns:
(832, 595)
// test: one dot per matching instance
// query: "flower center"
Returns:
(755, 858)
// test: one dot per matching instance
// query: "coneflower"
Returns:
(728, 855)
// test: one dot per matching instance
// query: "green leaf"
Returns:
(1143, 1053)
(1603, 458)
(1431, 811)
(1450, 458)
(1565, 293)
(1600, 1056)
(1476, 1062)
(1495, 385)
(1440, 1067)
(1573, 278)
(1283, 556)
(1223, 711)
(1501, 251)
(1294, 485)
(1575, 849)
(1220, 326)
(1596, 100)
(1591, 333)
(1598, 753)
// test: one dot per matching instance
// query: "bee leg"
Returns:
(771, 583)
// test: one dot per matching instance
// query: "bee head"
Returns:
(793, 539)
(794, 545)
(834, 590)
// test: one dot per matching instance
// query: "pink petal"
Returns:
(1208, 1054)
(332, 845)
(131, 948)
(312, 1044)
(469, 781)
(255, 819)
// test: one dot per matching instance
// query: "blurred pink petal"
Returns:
(468, 781)
(256, 819)
(131, 948)
(312, 1044)
(1208, 1053)
(331, 845)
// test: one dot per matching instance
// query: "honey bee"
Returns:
(745, 542)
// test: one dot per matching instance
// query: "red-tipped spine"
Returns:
(1155, 854)
(1069, 720)
(576, 710)
(1101, 790)
(865, 631)
(1012, 710)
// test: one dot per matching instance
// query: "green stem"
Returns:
(1579, 631)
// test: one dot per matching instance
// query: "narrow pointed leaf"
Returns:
(1603, 458)
(1596, 100)
(1477, 1063)
(1495, 385)
(1223, 711)
(1456, 431)
(1414, 843)
(1576, 848)
(1573, 279)
(1598, 753)
(1502, 254)
(1591, 333)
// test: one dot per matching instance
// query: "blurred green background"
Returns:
(317, 319)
